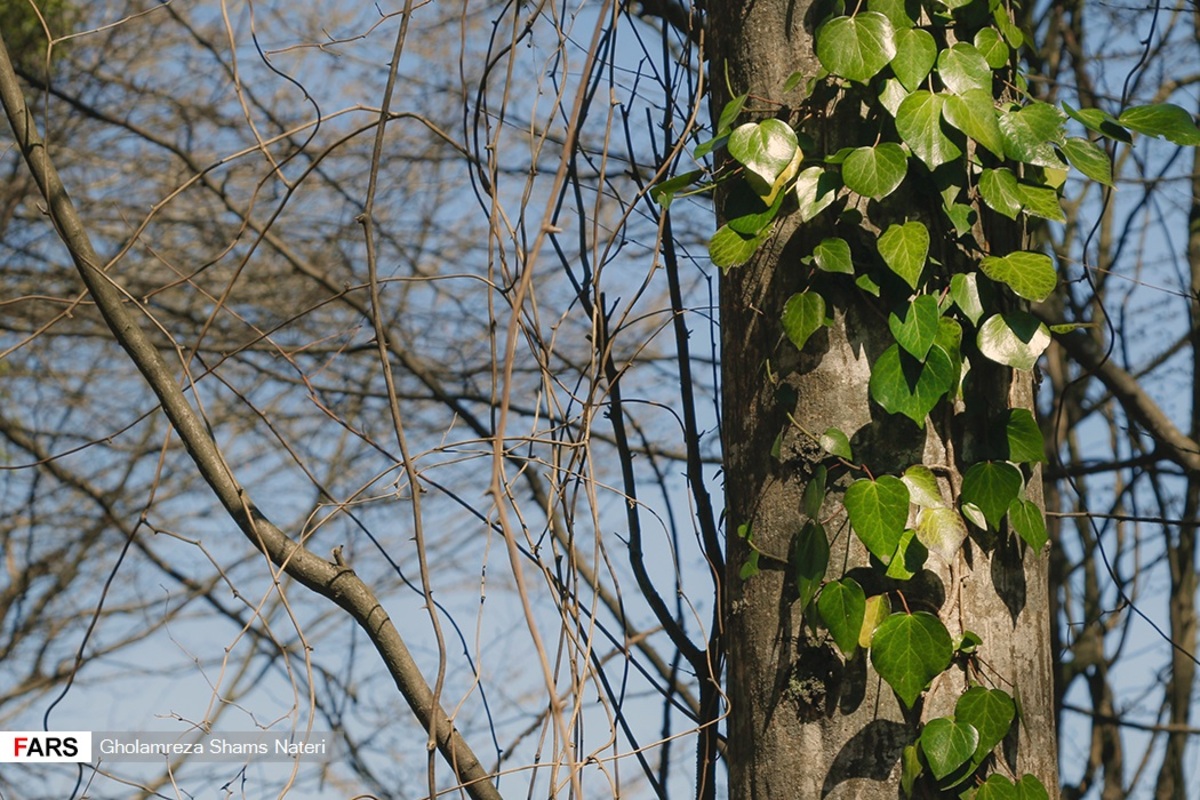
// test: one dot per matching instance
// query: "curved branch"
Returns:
(335, 581)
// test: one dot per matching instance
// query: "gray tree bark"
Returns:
(804, 722)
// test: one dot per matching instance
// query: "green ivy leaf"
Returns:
(1000, 190)
(836, 443)
(1030, 788)
(1027, 520)
(1015, 339)
(664, 192)
(947, 744)
(974, 113)
(892, 95)
(992, 486)
(1100, 122)
(919, 123)
(878, 510)
(803, 315)
(815, 189)
(965, 291)
(1167, 120)
(1090, 159)
(843, 606)
(990, 44)
(904, 249)
(879, 608)
(729, 113)
(909, 558)
(1004, 23)
(727, 248)
(858, 47)
(814, 493)
(910, 650)
(922, 486)
(941, 530)
(745, 211)
(915, 333)
(765, 149)
(1041, 201)
(989, 711)
(833, 255)
(867, 284)
(997, 787)
(1030, 275)
(916, 53)
(809, 560)
(749, 567)
(1031, 132)
(901, 13)
(1024, 437)
(963, 68)
(875, 172)
(903, 385)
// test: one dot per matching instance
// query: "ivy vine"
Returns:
(930, 76)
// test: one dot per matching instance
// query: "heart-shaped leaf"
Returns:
(878, 510)
(997, 787)
(991, 45)
(842, 606)
(875, 172)
(1027, 520)
(836, 443)
(1000, 190)
(1030, 788)
(803, 315)
(1024, 437)
(916, 52)
(1169, 121)
(919, 123)
(833, 255)
(963, 68)
(942, 531)
(727, 248)
(815, 189)
(903, 385)
(1090, 159)
(992, 486)
(765, 148)
(989, 711)
(1015, 339)
(857, 47)
(974, 113)
(922, 486)
(1041, 201)
(905, 249)
(1100, 122)
(1031, 132)
(916, 331)
(910, 650)
(947, 744)
(965, 291)
(1030, 275)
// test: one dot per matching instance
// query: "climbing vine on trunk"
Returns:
(944, 106)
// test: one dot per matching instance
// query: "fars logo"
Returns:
(45, 747)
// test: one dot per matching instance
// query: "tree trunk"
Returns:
(805, 722)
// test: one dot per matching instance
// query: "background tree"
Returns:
(485, 304)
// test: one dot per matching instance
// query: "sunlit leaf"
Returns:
(1027, 520)
(989, 711)
(1000, 190)
(947, 744)
(836, 443)
(922, 486)
(856, 47)
(875, 172)
(919, 123)
(903, 385)
(916, 53)
(843, 606)
(992, 486)
(1024, 437)
(1030, 275)
(766, 149)
(815, 189)
(991, 45)
(833, 255)
(941, 530)
(803, 315)
(963, 68)
(905, 249)
(910, 650)
(728, 248)
(974, 113)
(915, 331)
(965, 291)
(1016, 339)
(877, 510)
(1167, 120)
(1090, 159)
